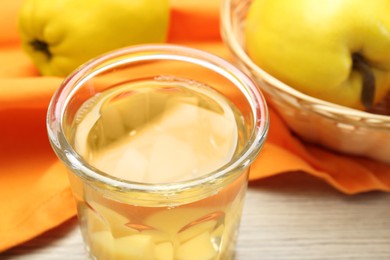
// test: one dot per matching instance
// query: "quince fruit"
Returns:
(60, 35)
(334, 50)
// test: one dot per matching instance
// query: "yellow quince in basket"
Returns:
(334, 50)
(60, 35)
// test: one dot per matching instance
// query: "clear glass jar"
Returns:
(158, 140)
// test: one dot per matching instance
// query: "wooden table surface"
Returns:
(290, 216)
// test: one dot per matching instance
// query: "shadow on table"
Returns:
(41, 243)
(303, 184)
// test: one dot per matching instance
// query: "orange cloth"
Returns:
(34, 190)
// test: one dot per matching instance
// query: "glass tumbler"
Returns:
(158, 141)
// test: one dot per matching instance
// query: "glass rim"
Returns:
(150, 52)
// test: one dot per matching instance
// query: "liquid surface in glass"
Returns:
(157, 133)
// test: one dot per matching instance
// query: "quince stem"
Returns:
(368, 84)
(42, 46)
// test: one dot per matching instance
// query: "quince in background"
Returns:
(335, 50)
(60, 35)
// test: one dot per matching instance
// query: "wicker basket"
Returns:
(339, 128)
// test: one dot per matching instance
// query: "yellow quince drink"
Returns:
(159, 132)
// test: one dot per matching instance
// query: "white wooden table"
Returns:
(291, 216)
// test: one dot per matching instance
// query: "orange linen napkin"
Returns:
(34, 190)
